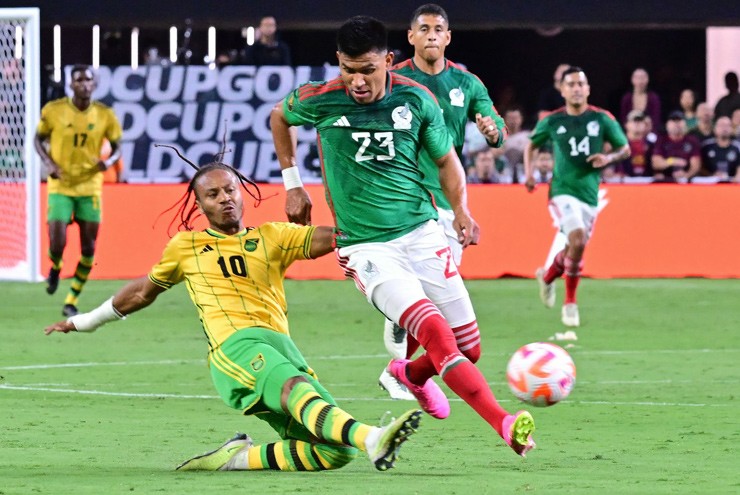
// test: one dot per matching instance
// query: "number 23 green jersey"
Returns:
(575, 138)
(369, 154)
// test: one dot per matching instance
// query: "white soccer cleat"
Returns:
(384, 443)
(547, 291)
(395, 389)
(395, 339)
(570, 315)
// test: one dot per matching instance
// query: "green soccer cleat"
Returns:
(217, 460)
(384, 451)
(517, 432)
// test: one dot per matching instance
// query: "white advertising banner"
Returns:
(201, 111)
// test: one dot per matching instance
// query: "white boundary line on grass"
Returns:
(338, 358)
(373, 399)
(344, 357)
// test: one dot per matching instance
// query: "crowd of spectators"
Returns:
(694, 143)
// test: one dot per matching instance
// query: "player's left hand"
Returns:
(60, 326)
(102, 166)
(598, 160)
(468, 231)
(487, 127)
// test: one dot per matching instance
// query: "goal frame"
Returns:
(30, 271)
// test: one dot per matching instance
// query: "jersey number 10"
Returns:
(237, 265)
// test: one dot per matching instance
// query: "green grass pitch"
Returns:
(654, 409)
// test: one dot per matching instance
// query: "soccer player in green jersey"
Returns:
(371, 126)
(462, 97)
(75, 129)
(234, 276)
(579, 133)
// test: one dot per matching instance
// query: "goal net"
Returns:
(19, 171)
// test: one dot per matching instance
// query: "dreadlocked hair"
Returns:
(187, 209)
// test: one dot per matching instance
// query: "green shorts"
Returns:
(62, 208)
(250, 362)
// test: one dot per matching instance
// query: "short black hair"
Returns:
(573, 69)
(731, 81)
(362, 34)
(430, 9)
(80, 68)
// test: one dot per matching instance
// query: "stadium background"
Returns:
(507, 43)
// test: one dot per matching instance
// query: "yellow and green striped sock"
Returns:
(82, 272)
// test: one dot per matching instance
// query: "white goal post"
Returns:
(19, 166)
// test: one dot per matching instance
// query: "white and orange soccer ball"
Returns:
(541, 374)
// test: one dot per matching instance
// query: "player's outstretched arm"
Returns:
(132, 297)
(322, 242)
(297, 202)
(452, 180)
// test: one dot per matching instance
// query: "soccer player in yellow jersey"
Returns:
(74, 129)
(234, 276)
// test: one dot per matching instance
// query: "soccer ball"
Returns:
(541, 374)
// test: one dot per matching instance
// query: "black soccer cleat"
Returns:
(69, 310)
(52, 281)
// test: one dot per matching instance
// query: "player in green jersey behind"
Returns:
(462, 97)
(234, 276)
(371, 126)
(579, 133)
(75, 129)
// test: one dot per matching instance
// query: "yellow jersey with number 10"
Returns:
(235, 281)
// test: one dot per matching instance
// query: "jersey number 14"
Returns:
(577, 148)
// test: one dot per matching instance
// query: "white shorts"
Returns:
(570, 213)
(395, 274)
(445, 221)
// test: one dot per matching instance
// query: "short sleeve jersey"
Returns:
(722, 159)
(369, 154)
(235, 281)
(574, 139)
(76, 138)
(461, 95)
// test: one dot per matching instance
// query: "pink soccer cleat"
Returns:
(517, 430)
(431, 398)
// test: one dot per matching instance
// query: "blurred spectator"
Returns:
(704, 118)
(515, 143)
(731, 101)
(640, 98)
(267, 48)
(543, 165)
(687, 102)
(485, 169)
(474, 142)
(736, 123)
(720, 156)
(550, 98)
(677, 156)
(641, 149)
(152, 57)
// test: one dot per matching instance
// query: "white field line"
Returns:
(344, 357)
(38, 388)
(342, 399)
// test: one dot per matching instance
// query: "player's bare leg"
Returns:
(57, 242)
